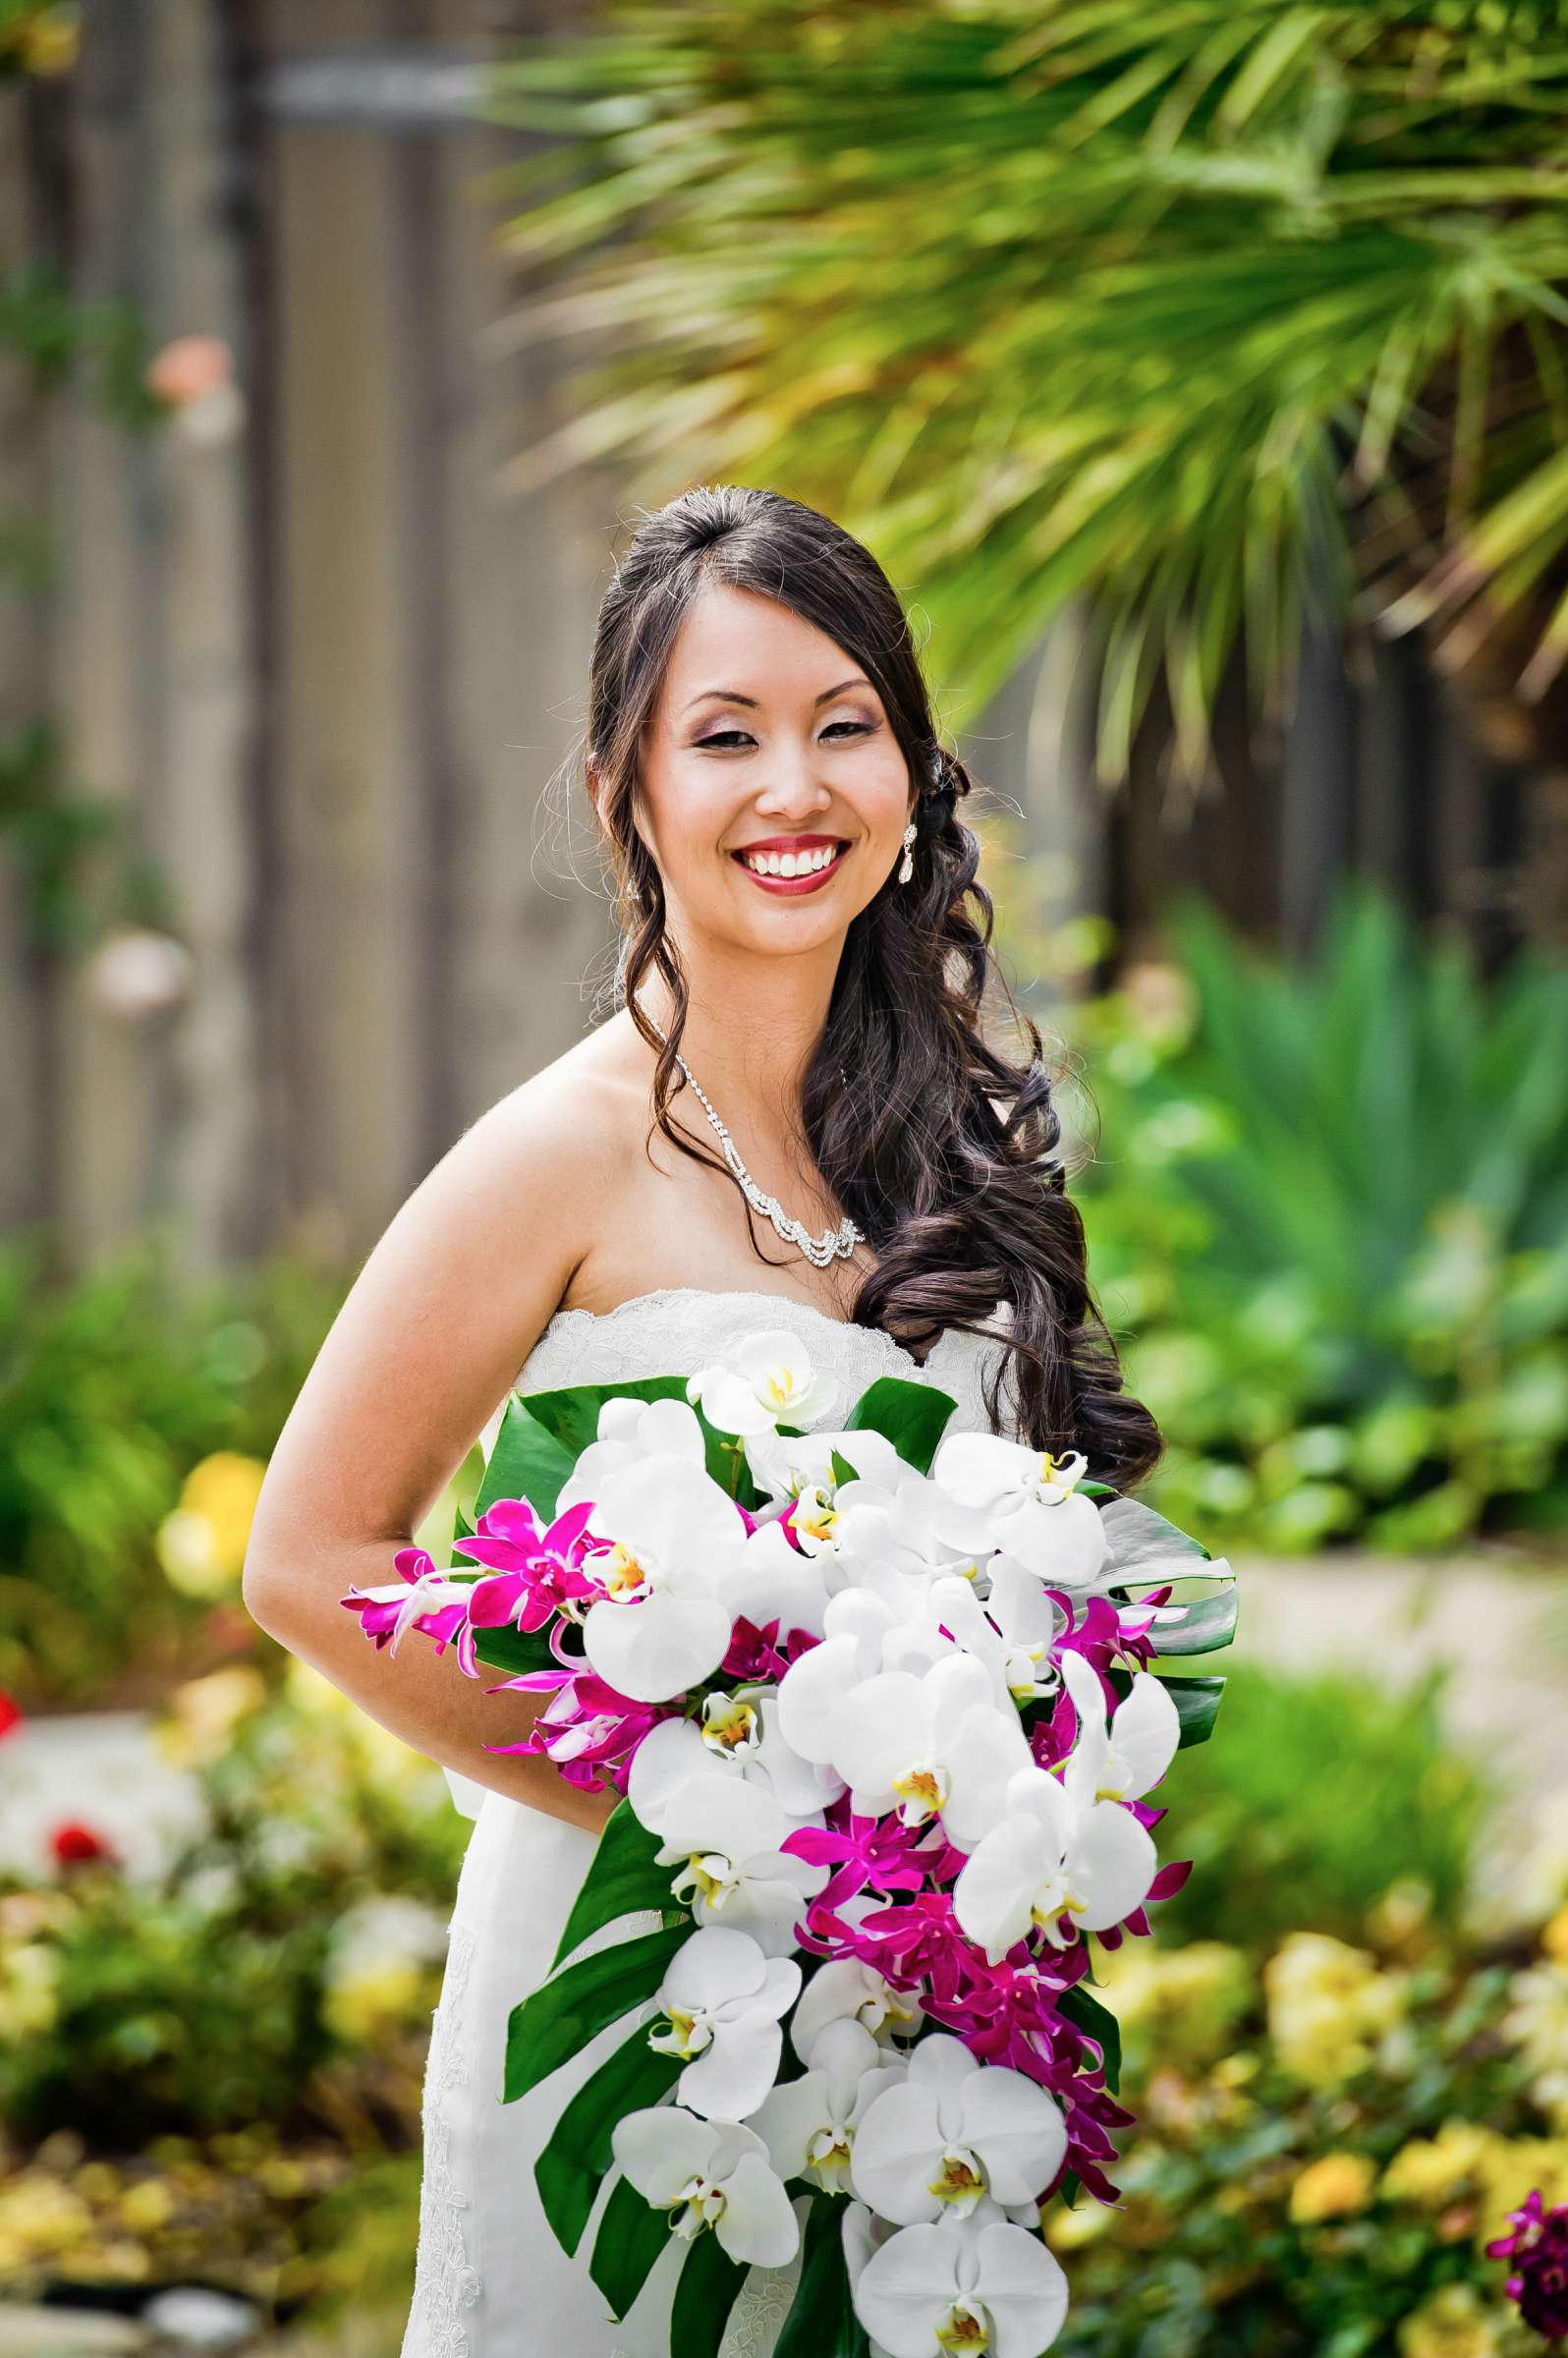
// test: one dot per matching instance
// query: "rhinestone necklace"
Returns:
(834, 1243)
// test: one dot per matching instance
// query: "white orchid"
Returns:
(1031, 1503)
(848, 1990)
(930, 1746)
(863, 1636)
(960, 2289)
(809, 2124)
(724, 2002)
(1120, 1757)
(768, 1381)
(629, 1431)
(1028, 1621)
(1046, 1858)
(708, 2173)
(725, 1835)
(776, 1581)
(953, 2131)
(904, 1526)
(788, 1466)
(738, 1735)
(677, 1537)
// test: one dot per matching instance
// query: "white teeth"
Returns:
(790, 863)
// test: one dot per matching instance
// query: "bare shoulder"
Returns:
(569, 1119)
(561, 1141)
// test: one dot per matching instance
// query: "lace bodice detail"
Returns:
(677, 1328)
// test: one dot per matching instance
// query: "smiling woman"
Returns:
(804, 935)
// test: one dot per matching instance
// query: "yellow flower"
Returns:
(1329, 2006)
(40, 2218)
(50, 40)
(1508, 2169)
(1190, 1998)
(146, 2206)
(1452, 2323)
(1554, 1936)
(1069, 2231)
(1537, 2023)
(1432, 2171)
(30, 1970)
(1403, 1909)
(201, 1544)
(203, 1713)
(363, 2005)
(1235, 2070)
(1332, 2187)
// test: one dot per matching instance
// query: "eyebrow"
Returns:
(733, 696)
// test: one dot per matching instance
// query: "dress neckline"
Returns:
(774, 1301)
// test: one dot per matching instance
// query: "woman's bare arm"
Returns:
(422, 1352)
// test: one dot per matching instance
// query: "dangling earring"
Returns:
(906, 867)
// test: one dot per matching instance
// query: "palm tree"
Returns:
(1216, 313)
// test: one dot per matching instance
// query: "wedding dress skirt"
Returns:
(490, 2281)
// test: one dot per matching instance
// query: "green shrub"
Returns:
(1316, 1794)
(230, 1990)
(112, 1386)
(1330, 1227)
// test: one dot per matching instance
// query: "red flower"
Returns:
(75, 1843)
(11, 1714)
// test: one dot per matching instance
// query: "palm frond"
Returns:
(1210, 312)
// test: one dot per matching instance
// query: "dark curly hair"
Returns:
(934, 1141)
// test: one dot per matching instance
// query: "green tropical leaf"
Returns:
(822, 2322)
(912, 1416)
(622, 1879)
(557, 2020)
(1200, 317)
(578, 2156)
(710, 2283)
(1197, 1701)
(515, 1651)
(1201, 1627)
(1098, 2023)
(632, 2235)
(526, 1462)
(1137, 1537)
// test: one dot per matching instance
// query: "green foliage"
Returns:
(1319, 1789)
(622, 1879)
(912, 1416)
(1179, 311)
(822, 2322)
(578, 2156)
(1332, 1232)
(629, 2239)
(709, 2285)
(222, 1995)
(1277, 2199)
(112, 1386)
(556, 2021)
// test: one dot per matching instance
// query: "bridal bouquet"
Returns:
(878, 1709)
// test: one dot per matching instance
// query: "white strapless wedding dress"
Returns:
(491, 2281)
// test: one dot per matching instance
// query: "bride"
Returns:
(802, 983)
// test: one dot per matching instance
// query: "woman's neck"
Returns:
(750, 1051)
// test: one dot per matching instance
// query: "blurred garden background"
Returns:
(1200, 374)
